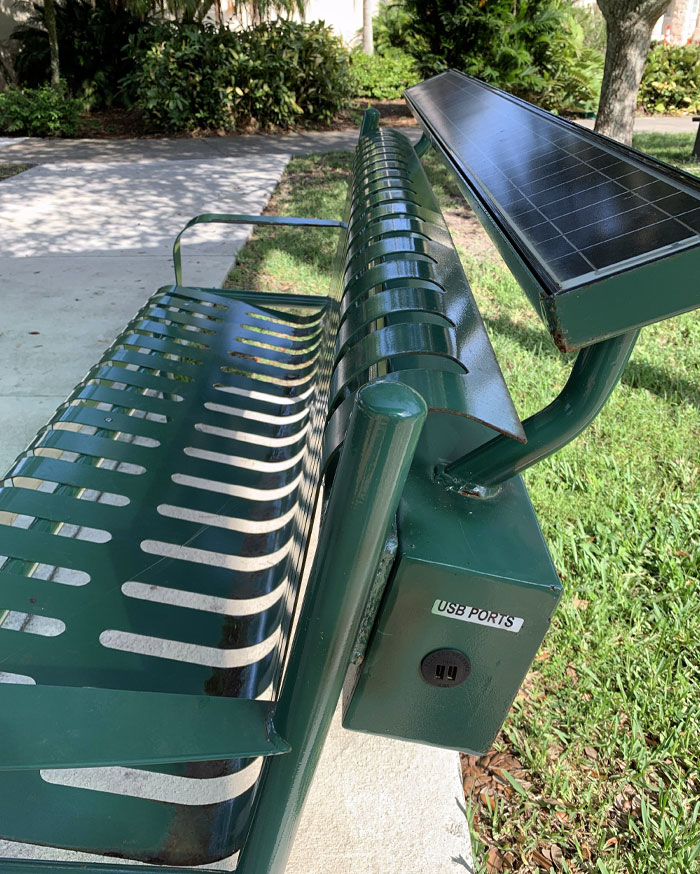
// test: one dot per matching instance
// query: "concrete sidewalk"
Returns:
(664, 124)
(86, 238)
(34, 150)
(30, 150)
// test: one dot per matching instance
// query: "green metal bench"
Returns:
(157, 529)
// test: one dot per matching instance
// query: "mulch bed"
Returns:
(131, 124)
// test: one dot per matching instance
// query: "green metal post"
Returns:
(370, 122)
(381, 439)
(595, 374)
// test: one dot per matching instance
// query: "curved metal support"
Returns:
(595, 374)
(235, 219)
(382, 437)
(422, 146)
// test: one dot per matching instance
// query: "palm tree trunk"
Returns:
(50, 22)
(367, 34)
(695, 38)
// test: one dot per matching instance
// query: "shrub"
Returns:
(392, 27)
(91, 39)
(536, 49)
(382, 76)
(671, 79)
(294, 72)
(40, 112)
(199, 76)
(571, 72)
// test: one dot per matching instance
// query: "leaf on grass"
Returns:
(548, 857)
(494, 861)
(628, 803)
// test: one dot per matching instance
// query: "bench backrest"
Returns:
(406, 310)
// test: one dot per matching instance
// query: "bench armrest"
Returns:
(233, 219)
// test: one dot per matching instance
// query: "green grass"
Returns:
(7, 170)
(671, 148)
(290, 259)
(606, 731)
(620, 669)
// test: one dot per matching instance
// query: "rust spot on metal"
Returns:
(560, 341)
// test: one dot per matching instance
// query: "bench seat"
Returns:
(155, 530)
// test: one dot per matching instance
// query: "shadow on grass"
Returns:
(638, 374)
(298, 260)
(442, 181)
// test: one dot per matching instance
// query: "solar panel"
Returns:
(577, 208)
(582, 207)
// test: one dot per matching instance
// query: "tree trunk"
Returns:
(367, 34)
(629, 24)
(625, 56)
(695, 38)
(50, 22)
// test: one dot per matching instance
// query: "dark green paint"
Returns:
(595, 374)
(154, 728)
(381, 439)
(485, 554)
(391, 370)
(240, 219)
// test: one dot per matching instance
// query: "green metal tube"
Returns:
(370, 122)
(422, 146)
(239, 219)
(376, 457)
(56, 866)
(595, 374)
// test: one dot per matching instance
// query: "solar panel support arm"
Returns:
(422, 146)
(595, 374)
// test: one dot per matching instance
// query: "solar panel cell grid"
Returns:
(582, 209)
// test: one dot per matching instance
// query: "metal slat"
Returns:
(84, 719)
(154, 620)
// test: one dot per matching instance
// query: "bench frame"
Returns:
(353, 560)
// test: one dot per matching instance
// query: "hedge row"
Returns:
(190, 76)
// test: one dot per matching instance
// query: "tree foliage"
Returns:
(91, 39)
(92, 35)
(671, 80)
(533, 48)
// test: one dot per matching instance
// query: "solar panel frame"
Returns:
(506, 188)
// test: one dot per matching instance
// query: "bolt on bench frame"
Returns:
(429, 550)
